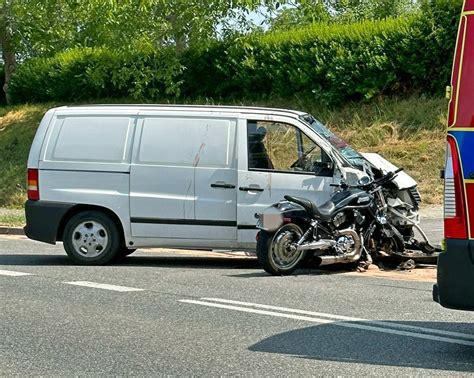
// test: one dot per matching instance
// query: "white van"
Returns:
(106, 180)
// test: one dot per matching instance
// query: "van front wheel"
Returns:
(91, 238)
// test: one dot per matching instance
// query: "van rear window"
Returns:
(97, 139)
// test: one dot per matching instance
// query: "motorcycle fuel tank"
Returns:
(403, 180)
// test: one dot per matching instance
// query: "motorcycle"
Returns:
(356, 222)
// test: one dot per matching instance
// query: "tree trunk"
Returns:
(8, 51)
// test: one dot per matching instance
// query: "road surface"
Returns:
(163, 313)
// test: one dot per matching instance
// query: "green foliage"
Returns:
(17, 128)
(88, 73)
(305, 12)
(331, 63)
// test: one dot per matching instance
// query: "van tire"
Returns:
(94, 233)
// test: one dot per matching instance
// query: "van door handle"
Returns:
(250, 189)
(223, 186)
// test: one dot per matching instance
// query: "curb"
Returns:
(4, 230)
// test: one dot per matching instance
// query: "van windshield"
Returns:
(351, 155)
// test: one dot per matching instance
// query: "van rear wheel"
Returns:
(91, 238)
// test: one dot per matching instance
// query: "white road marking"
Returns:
(346, 318)
(11, 273)
(335, 322)
(96, 285)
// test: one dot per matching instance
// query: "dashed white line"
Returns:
(345, 318)
(12, 273)
(336, 320)
(96, 285)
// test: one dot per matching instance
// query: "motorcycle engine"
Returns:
(339, 219)
(344, 244)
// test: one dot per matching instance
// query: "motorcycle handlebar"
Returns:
(388, 177)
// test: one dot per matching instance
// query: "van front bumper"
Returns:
(43, 219)
(455, 287)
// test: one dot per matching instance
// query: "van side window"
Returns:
(281, 147)
(91, 139)
(194, 142)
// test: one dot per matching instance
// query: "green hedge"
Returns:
(332, 63)
(92, 73)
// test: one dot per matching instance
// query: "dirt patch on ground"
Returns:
(423, 273)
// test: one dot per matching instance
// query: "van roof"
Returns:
(205, 108)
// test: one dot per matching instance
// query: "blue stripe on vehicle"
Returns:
(465, 142)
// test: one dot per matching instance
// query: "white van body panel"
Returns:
(106, 190)
(177, 157)
(85, 160)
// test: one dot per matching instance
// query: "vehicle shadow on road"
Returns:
(35, 260)
(138, 261)
(344, 342)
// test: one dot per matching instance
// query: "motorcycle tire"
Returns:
(269, 251)
(397, 240)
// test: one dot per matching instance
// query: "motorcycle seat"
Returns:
(325, 211)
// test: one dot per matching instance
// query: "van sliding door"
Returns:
(183, 177)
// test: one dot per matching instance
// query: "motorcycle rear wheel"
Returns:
(274, 253)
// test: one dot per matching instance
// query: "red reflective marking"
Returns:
(465, 113)
(469, 6)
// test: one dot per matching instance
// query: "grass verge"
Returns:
(12, 217)
(409, 132)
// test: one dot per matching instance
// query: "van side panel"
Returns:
(183, 179)
(83, 159)
(108, 190)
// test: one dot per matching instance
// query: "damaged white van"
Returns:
(106, 180)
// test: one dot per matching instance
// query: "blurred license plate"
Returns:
(270, 222)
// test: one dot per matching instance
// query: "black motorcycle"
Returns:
(343, 230)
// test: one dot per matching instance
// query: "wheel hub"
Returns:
(90, 239)
(283, 250)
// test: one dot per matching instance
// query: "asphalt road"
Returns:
(158, 313)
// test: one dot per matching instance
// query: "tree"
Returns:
(357, 10)
(31, 28)
(303, 12)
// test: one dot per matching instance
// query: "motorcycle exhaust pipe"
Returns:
(320, 245)
(349, 257)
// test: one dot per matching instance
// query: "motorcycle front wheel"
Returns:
(275, 253)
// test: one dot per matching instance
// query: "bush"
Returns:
(91, 73)
(332, 63)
